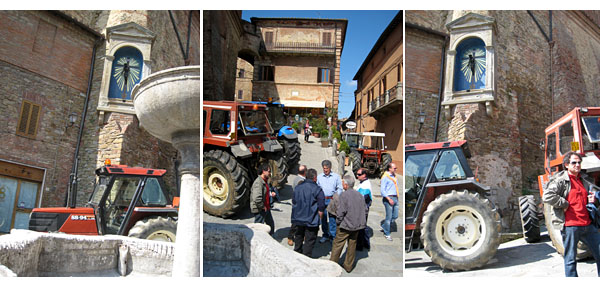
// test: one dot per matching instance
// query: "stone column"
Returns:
(187, 251)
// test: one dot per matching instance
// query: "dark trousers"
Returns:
(265, 217)
(571, 236)
(363, 240)
(304, 239)
(343, 235)
(292, 232)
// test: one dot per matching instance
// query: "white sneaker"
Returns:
(323, 240)
(388, 237)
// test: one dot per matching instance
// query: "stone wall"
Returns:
(222, 40)
(118, 136)
(45, 60)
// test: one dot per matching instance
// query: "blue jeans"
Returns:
(328, 225)
(391, 214)
(571, 236)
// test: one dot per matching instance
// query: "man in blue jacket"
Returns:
(308, 205)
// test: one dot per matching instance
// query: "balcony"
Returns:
(300, 48)
(387, 103)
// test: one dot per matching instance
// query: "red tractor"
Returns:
(130, 201)
(368, 150)
(446, 209)
(237, 138)
(579, 131)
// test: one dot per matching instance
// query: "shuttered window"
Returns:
(29, 119)
(326, 39)
(269, 38)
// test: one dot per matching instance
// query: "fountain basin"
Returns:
(236, 250)
(168, 102)
(30, 253)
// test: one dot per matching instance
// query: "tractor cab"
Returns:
(123, 198)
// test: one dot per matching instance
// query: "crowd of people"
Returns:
(327, 200)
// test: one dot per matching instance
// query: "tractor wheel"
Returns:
(292, 151)
(354, 161)
(460, 230)
(556, 237)
(155, 228)
(226, 184)
(279, 168)
(529, 218)
(386, 159)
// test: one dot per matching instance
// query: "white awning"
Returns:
(303, 104)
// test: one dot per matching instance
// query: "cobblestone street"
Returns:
(385, 257)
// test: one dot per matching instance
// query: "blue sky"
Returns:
(364, 28)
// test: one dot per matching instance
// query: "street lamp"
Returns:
(72, 120)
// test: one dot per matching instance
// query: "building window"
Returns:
(240, 94)
(327, 39)
(383, 85)
(126, 72)
(470, 65)
(269, 38)
(29, 119)
(242, 73)
(267, 73)
(324, 75)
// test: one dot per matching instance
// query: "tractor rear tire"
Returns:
(556, 237)
(460, 230)
(155, 228)
(529, 218)
(279, 168)
(386, 159)
(226, 184)
(355, 161)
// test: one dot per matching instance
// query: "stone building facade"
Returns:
(378, 95)
(51, 62)
(529, 68)
(300, 65)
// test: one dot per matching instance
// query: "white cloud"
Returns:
(350, 83)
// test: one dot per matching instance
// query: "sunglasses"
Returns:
(359, 174)
(575, 163)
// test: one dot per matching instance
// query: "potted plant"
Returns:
(344, 147)
(324, 138)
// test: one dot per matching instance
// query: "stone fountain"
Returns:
(167, 104)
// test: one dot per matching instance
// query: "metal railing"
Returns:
(395, 93)
(299, 47)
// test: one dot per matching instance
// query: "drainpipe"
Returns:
(72, 190)
(439, 103)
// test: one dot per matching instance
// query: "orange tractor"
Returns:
(237, 138)
(130, 201)
(368, 150)
(446, 209)
(579, 131)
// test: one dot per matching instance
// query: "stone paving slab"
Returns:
(385, 257)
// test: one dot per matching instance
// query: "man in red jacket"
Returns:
(567, 192)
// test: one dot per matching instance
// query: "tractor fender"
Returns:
(288, 133)
(272, 146)
(240, 150)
